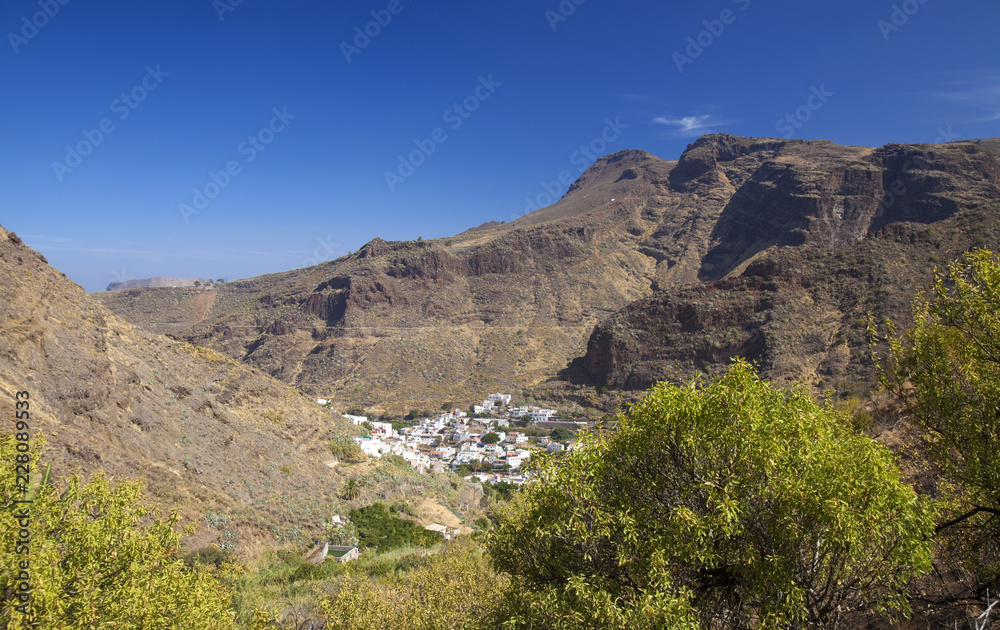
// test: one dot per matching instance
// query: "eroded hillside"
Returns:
(208, 434)
(767, 248)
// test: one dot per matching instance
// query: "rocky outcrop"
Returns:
(743, 247)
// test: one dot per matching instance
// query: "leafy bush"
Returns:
(379, 528)
(346, 450)
(455, 589)
(562, 435)
(946, 371)
(100, 559)
(214, 556)
(720, 504)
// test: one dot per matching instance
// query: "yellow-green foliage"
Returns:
(212, 356)
(947, 371)
(275, 416)
(726, 503)
(98, 559)
(453, 590)
(346, 450)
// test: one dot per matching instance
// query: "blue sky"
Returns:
(215, 139)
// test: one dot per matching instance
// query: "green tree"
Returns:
(946, 371)
(719, 504)
(378, 527)
(562, 435)
(345, 449)
(490, 438)
(451, 590)
(99, 559)
(351, 489)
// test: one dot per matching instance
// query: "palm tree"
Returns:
(351, 490)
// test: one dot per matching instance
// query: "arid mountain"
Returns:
(208, 434)
(154, 282)
(772, 249)
(804, 249)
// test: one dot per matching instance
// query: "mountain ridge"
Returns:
(207, 434)
(510, 306)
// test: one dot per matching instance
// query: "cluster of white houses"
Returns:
(451, 439)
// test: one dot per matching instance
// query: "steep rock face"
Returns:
(704, 156)
(398, 325)
(799, 313)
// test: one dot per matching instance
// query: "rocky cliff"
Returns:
(645, 267)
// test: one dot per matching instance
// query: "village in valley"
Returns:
(491, 441)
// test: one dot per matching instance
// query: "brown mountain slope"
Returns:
(208, 434)
(867, 237)
(506, 306)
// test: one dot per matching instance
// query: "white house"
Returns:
(356, 419)
(371, 447)
(516, 438)
(542, 417)
(436, 424)
(503, 399)
(384, 429)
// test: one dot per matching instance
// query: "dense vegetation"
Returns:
(946, 372)
(726, 503)
(98, 558)
(721, 502)
(381, 527)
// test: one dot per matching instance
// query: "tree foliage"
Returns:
(562, 435)
(719, 504)
(946, 370)
(453, 590)
(380, 528)
(99, 559)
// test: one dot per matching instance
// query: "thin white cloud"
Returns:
(43, 238)
(689, 125)
(144, 254)
(977, 90)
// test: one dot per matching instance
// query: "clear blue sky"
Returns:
(160, 95)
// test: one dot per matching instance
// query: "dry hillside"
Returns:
(768, 248)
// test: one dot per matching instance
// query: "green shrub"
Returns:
(100, 559)
(455, 589)
(379, 528)
(347, 451)
(725, 503)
